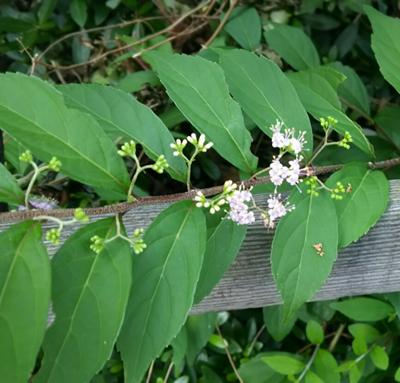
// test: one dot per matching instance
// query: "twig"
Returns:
(253, 342)
(231, 361)
(309, 364)
(168, 372)
(138, 42)
(96, 29)
(148, 379)
(123, 207)
(222, 23)
(336, 338)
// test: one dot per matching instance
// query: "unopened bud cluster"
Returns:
(136, 241)
(199, 145)
(214, 204)
(338, 191)
(346, 141)
(53, 236)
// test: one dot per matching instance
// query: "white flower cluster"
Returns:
(276, 209)
(239, 209)
(286, 142)
(242, 206)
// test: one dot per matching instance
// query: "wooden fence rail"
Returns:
(371, 265)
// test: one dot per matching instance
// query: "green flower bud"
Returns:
(53, 236)
(55, 164)
(26, 156)
(80, 215)
(128, 149)
(97, 244)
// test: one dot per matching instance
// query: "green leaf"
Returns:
(278, 327)
(364, 309)
(352, 91)
(386, 44)
(312, 377)
(355, 373)
(197, 331)
(10, 191)
(218, 341)
(179, 346)
(46, 9)
(314, 332)
(397, 375)
(379, 357)
(257, 371)
(394, 299)
(264, 92)
(87, 154)
(122, 116)
(320, 100)
(24, 299)
(297, 267)
(164, 283)
(80, 50)
(90, 293)
(245, 28)
(388, 120)
(284, 363)
(359, 346)
(334, 77)
(12, 151)
(135, 81)
(368, 188)
(198, 88)
(346, 40)
(78, 11)
(293, 45)
(325, 366)
(224, 238)
(364, 331)
(209, 375)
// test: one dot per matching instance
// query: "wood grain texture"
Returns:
(371, 265)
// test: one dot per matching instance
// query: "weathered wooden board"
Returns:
(372, 265)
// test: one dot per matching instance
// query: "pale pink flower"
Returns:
(293, 172)
(277, 172)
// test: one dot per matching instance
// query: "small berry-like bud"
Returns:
(338, 191)
(128, 149)
(160, 165)
(139, 246)
(346, 140)
(201, 200)
(178, 147)
(329, 122)
(55, 164)
(137, 243)
(229, 187)
(53, 236)
(26, 156)
(312, 182)
(80, 215)
(97, 244)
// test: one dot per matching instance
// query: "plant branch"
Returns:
(221, 24)
(124, 206)
(231, 361)
(309, 364)
(135, 43)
